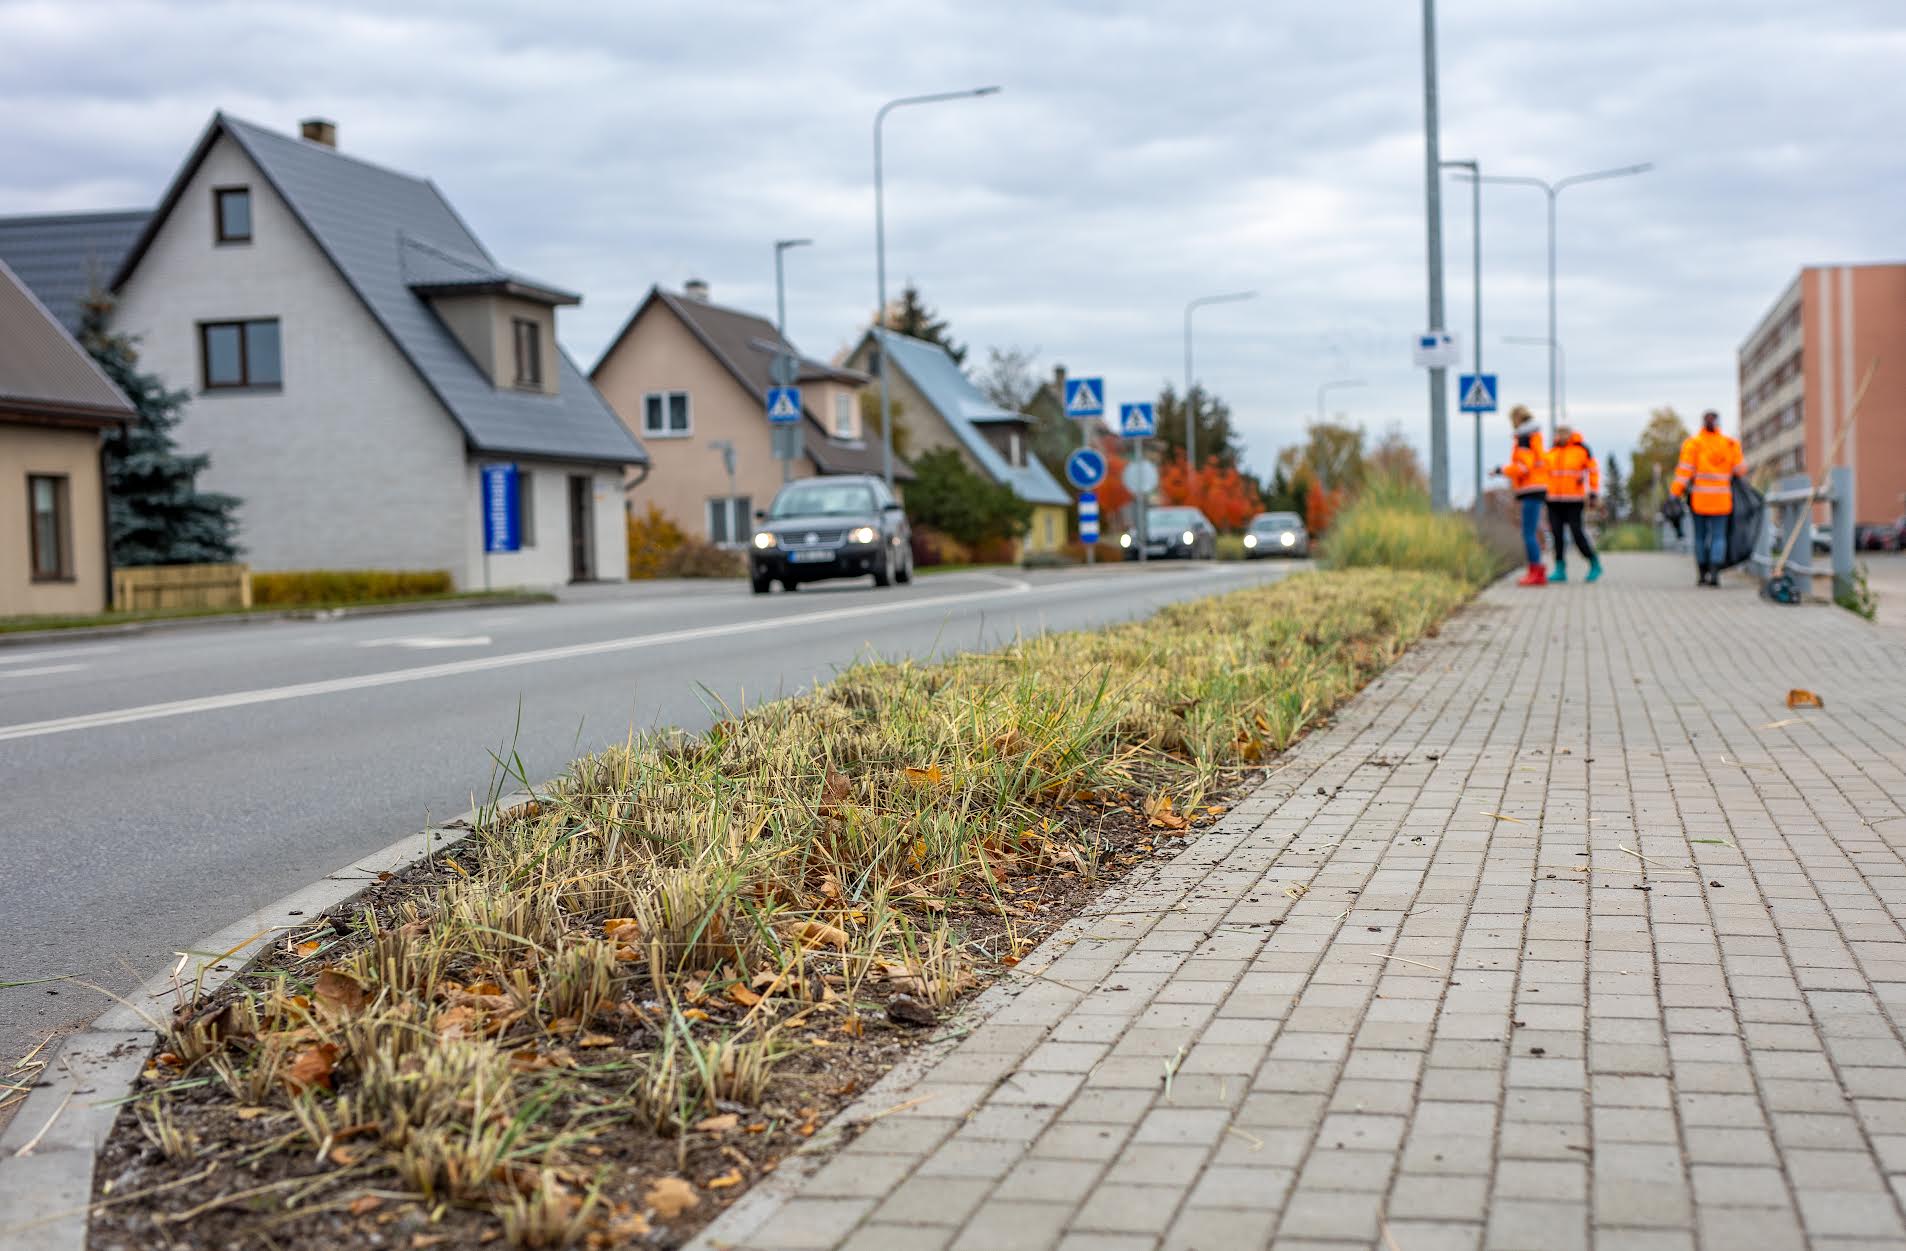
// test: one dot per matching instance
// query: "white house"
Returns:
(355, 358)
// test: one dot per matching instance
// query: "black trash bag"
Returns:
(1744, 523)
(1674, 512)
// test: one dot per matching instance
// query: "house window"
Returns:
(49, 528)
(665, 414)
(241, 354)
(1016, 451)
(529, 352)
(729, 518)
(525, 508)
(231, 214)
(843, 415)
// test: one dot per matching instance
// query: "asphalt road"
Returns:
(154, 788)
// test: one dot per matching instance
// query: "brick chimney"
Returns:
(696, 289)
(319, 130)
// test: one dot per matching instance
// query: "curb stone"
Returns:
(49, 1152)
(127, 629)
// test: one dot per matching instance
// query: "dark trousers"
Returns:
(1565, 517)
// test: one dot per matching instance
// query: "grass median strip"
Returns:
(609, 1011)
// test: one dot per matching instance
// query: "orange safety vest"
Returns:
(1709, 463)
(1574, 473)
(1528, 468)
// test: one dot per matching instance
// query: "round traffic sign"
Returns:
(1141, 477)
(1085, 468)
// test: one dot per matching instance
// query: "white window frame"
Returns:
(845, 427)
(688, 411)
(740, 521)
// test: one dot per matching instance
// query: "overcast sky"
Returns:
(1140, 155)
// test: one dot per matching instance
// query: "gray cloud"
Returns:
(1141, 154)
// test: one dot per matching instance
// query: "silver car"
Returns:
(1276, 534)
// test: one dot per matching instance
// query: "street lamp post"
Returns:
(1560, 357)
(1433, 229)
(880, 259)
(1191, 417)
(1333, 385)
(781, 325)
(1475, 221)
(1553, 190)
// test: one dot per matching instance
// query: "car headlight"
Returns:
(1190, 538)
(1124, 540)
(863, 534)
(1287, 539)
(764, 540)
(1250, 540)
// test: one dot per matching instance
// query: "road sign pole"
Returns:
(1138, 458)
(1433, 219)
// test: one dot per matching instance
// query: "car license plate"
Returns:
(809, 558)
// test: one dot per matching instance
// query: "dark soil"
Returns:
(248, 1177)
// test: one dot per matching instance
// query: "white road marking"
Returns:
(40, 671)
(429, 642)
(479, 664)
(48, 653)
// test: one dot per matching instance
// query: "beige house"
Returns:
(685, 374)
(55, 406)
(941, 408)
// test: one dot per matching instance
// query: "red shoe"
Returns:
(1537, 576)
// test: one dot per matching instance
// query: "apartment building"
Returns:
(1803, 365)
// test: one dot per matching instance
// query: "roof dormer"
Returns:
(505, 321)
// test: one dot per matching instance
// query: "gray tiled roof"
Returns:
(43, 372)
(953, 394)
(63, 257)
(361, 216)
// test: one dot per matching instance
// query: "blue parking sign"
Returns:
(502, 521)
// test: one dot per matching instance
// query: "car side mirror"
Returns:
(892, 508)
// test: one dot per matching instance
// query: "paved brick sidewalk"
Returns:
(1660, 1008)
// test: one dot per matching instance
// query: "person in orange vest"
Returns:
(1575, 481)
(1528, 473)
(1710, 461)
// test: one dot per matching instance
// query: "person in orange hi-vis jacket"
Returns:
(1575, 481)
(1528, 475)
(1710, 461)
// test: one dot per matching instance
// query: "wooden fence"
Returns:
(149, 588)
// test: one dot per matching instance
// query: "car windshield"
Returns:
(822, 499)
(1172, 518)
(1277, 521)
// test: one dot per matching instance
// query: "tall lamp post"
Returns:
(1333, 385)
(1475, 251)
(1553, 190)
(880, 258)
(781, 326)
(1560, 357)
(1191, 417)
(1433, 232)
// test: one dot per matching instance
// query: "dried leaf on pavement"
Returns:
(1800, 697)
(338, 994)
(669, 1197)
(312, 1067)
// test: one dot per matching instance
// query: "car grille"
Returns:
(816, 537)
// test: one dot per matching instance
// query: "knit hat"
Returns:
(1531, 426)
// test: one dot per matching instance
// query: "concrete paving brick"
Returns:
(1550, 1058)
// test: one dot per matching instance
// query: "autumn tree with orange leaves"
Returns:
(1221, 493)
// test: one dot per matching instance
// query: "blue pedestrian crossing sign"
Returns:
(784, 405)
(1085, 398)
(1477, 392)
(1135, 421)
(1088, 518)
(1085, 468)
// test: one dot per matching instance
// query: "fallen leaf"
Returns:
(596, 1040)
(309, 947)
(853, 1027)
(743, 996)
(821, 934)
(622, 929)
(338, 994)
(669, 1197)
(346, 1156)
(252, 1114)
(718, 1124)
(906, 1010)
(694, 1014)
(830, 887)
(418, 1242)
(458, 1021)
(731, 1178)
(837, 789)
(312, 1067)
(364, 1203)
(1800, 697)
(1297, 891)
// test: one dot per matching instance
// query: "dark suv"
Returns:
(1173, 533)
(840, 527)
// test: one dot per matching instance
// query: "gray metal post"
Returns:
(1840, 494)
(1140, 503)
(1433, 217)
(781, 322)
(880, 261)
(1475, 251)
(1191, 423)
(1552, 191)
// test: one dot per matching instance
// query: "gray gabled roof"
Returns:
(44, 374)
(964, 408)
(366, 219)
(64, 257)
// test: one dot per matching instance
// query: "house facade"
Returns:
(355, 359)
(941, 408)
(55, 406)
(688, 376)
